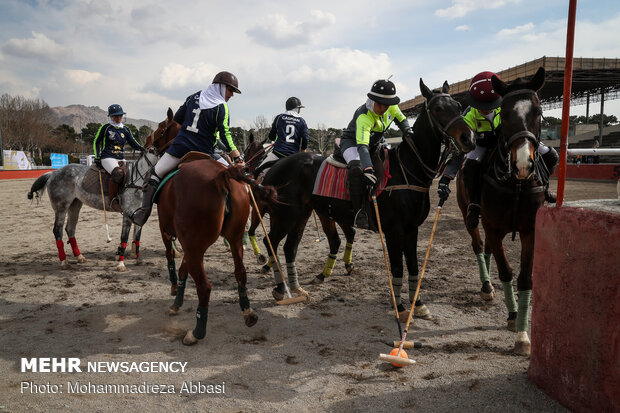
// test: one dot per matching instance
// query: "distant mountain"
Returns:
(79, 115)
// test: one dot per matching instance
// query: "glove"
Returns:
(369, 177)
(443, 189)
(98, 163)
(238, 160)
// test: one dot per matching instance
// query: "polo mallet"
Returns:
(319, 238)
(387, 270)
(397, 359)
(290, 299)
(105, 214)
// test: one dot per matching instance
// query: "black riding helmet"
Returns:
(115, 110)
(228, 79)
(383, 91)
(293, 103)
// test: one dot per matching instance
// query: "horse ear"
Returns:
(426, 92)
(538, 80)
(446, 87)
(499, 85)
(170, 114)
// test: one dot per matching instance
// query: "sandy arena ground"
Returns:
(316, 357)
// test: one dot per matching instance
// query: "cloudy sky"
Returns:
(148, 55)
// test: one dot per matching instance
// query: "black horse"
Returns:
(404, 202)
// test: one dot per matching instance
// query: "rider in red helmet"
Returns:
(203, 116)
(483, 118)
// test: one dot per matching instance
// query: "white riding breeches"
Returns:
(109, 164)
(351, 154)
(166, 164)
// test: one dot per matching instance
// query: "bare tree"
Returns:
(261, 128)
(321, 138)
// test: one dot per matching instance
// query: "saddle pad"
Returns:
(91, 184)
(331, 180)
(162, 183)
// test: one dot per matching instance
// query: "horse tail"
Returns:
(38, 186)
(267, 194)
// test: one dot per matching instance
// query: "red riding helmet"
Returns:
(228, 79)
(481, 94)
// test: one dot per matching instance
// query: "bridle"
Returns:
(136, 175)
(161, 136)
(439, 132)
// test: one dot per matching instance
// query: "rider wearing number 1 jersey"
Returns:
(202, 116)
(290, 132)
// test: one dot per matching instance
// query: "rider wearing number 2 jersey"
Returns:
(203, 115)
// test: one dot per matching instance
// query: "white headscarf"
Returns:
(212, 96)
(116, 125)
(293, 112)
(370, 105)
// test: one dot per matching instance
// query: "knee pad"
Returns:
(118, 175)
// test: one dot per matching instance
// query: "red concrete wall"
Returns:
(607, 172)
(23, 174)
(576, 308)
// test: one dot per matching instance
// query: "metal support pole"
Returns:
(587, 107)
(600, 125)
(1, 152)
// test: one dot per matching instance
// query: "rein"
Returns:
(135, 173)
(263, 150)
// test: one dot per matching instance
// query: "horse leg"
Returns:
(290, 253)
(74, 213)
(195, 267)
(329, 228)
(120, 252)
(254, 222)
(59, 221)
(487, 292)
(347, 257)
(524, 286)
(249, 316)
(135, 244)
(275, 235)
(494, 240)
(410, 247)
(172, 272)
(395, 255)
(178, 288)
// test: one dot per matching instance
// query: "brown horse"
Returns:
(511, 195)
(162, 137)
(202, 201)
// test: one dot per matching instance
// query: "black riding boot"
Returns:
(114, 186)
(550, 159)
(140, 216)
(357, 190)
(472, 171)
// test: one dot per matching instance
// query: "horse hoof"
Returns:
(121, 267)
(173, 289)
(64, 265)
(487, 292)
(301, 292)
(173, 310)
(349, 268)
(189, 339)
(250, 317)
(265, 269)
(133, 255)
(277, 295)
(261, 259)
(81, 259)
(523, 346)
(319, 279)
(403, 316)
(422, 311)
(511, 325)
(139, 262)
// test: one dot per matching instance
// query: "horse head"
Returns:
(444, 115)
(137, 174)
(166, 131)
(521, 121)
(254, 153)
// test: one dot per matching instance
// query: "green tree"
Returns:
(551, 121)
(143, 132)
(65, 132)
(607, 119)
(90, 131)
(133, 130)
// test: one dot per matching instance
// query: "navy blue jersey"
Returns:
(110, 142)
(200, 127)
(290, 133)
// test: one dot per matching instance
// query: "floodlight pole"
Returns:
(568, 79)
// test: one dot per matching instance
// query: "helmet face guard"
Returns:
(384, 92)
(227, 79)
(481, 94)
(293, 103)
(115, 110)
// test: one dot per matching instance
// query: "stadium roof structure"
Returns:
(593, 78)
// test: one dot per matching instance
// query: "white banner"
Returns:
(17, 160)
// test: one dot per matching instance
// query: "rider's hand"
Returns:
(443, 189)
(369, 177)
(98, 163)
(238, 160)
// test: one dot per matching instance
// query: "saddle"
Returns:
(91, 183)
(187, 158)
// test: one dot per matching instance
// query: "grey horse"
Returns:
(74, 185)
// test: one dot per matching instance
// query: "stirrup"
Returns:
(361, 219)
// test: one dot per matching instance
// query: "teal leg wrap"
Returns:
(413, 284)
(487, 259)
(293, 283)
(201, 322)
(244, 301)
(276, 274)
(246, 238)
(524, 306)
(482, 268)
(509, 297)
(178, 299)
(397, 283)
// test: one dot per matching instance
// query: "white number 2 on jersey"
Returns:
(290, 132)
(193, 128)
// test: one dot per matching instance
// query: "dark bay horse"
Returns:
(404, 203)
(511, 195)
(74, 185)
(202, 201)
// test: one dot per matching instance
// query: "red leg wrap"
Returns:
(61, 250)
(121, 257)
(137, 248)
(74, 247)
